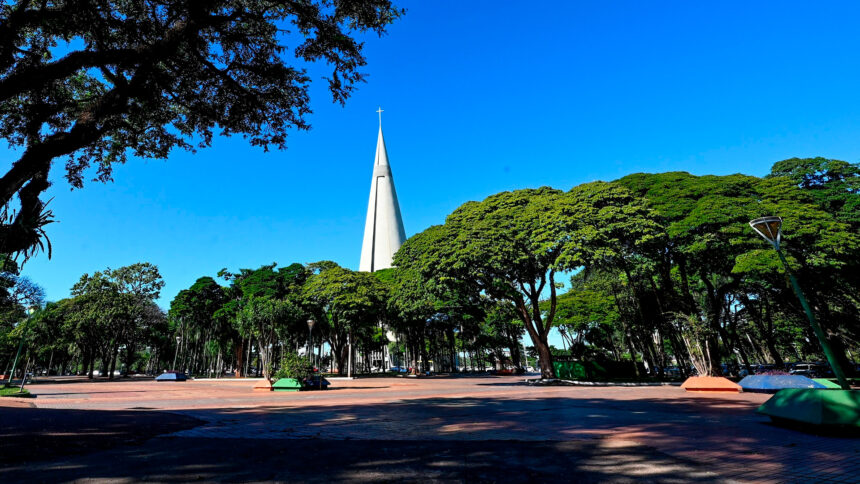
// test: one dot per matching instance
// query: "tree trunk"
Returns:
(713, 354)
(105, 361)
(338, 352)
(765, 326)
(92, 362)
(248, 359)
(85, 363)
(516, 356)
(129, 358)
(423, 349)
(239, 371)
(544, 359)
(713, 312)
(538, 335)
(113, 358)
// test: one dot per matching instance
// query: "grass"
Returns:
(12, 391)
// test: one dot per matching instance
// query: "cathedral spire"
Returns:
(383, 228)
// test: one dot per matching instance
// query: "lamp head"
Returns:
(770, 228)
(311, 324)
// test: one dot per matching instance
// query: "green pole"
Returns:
(15, 363)
(831, 358)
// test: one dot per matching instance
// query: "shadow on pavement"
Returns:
(197, 459)
(28, 434)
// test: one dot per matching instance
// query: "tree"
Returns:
(713, 263)
(510, 246)
(97, 81)
(194, 313)
(588, 313)
(17, 294)
(834, 184)
(111, 310)
(48, 335)
(141, 283)
(264, 304)
(262, 315)
(94, 317)
(502, 329)
(347, 302)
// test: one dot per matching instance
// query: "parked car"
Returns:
(759, 369)
(809, 370)
(824, 370)
(172, 376)
(672, 372)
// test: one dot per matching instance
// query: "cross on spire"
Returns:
(380, 110)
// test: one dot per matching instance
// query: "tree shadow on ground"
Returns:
(459, 439)
(174, 459)
(36, 433)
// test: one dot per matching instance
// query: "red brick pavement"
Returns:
(719, 431)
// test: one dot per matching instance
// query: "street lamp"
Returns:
(771, 229)
(311, 324)
(30, 311)
(178, 339)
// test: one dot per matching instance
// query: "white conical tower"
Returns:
(383, 230)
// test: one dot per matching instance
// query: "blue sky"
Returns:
(480, 97)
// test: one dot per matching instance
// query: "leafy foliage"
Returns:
(510, 246)
(294, 366)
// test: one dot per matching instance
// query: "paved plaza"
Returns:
(444, 429)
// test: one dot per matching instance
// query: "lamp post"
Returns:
(178, 339)
(311, 324)
(770, 228)
(30, 311)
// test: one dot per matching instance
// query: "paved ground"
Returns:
(437, 429)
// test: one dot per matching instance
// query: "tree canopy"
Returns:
(510, 246)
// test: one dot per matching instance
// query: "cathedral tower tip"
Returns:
(383, 228)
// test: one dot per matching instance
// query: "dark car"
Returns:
(760, 369)
(317, 382)
(172, 376)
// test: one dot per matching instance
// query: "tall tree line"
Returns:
(110, 325)
(665, 271)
